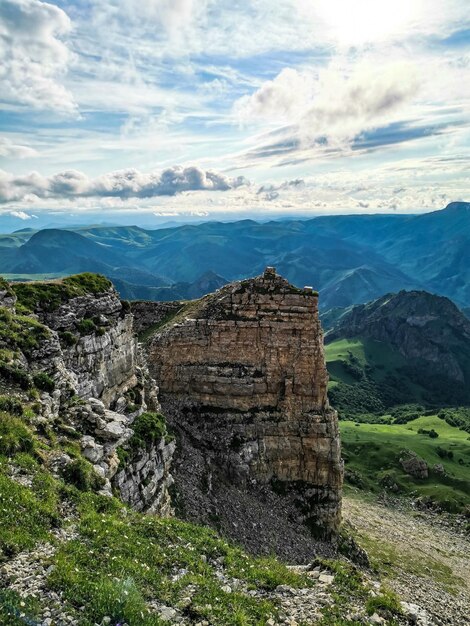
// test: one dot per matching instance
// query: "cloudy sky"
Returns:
(260, 106)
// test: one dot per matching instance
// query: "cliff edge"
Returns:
(243, 380)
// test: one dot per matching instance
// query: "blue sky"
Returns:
(235, 107)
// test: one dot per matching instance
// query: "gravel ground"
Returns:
(427, 560)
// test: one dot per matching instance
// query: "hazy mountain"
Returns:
(350, 259)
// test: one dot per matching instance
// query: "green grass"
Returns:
(26, 515)
(20, 332)
(121, 559)
(381, 357)
(372, 452)
(141, 555)
(50, 295)
(369, 376)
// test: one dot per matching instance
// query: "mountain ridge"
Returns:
(350, 259)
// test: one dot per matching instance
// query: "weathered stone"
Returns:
(245, 373)
(90, 449)
(414, 465)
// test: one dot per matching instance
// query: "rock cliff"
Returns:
(242, 375)
(90, 374)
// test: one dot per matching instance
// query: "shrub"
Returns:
(68, 338)
(86, 326)
(16, 375)
(148, 428)
(12, 405)
(443, 453)
(44, 382)
(81, 474)
(430, 433)
(15, 437)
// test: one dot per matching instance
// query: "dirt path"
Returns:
(422, 560)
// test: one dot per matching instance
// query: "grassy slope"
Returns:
(115, 561)
(381, 362)
(380, 356)
(372, 450)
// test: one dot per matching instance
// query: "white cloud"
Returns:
(33, 57)
(171, 14)
(13, 150)
(283, 98)
(346, 105)
(328, 110)
(22, 215)
(122, 184)
(362, 22)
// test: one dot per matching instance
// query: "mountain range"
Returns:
(401, 348)
(350, 259)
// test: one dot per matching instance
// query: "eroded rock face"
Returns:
(148, 314)
(102, 364)
(243, 372)
(101, 386)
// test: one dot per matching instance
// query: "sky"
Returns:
(233, 107)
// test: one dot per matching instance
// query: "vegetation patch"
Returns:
(15, 436)
(26, 515)
(48, 296)
(12, 405)
(386, 604)
(44, 382)
(86, 326)
(139, 558)
(372, 455)
(20, 332)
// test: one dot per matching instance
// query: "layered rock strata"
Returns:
(101, 385)
(243, 373)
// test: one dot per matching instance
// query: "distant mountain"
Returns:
(415, 344)
(54, 250)
(207, 283)
(350, 259)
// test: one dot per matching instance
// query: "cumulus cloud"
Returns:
(122, 184)
(33, 58)
(22, 215)
(10, 149)
(329, 110)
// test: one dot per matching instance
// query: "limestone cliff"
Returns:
(91, 376)
(242, 373)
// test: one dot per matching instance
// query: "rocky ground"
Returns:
(422, 556)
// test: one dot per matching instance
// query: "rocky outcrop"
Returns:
(242, 373)
(101, 360)
(144, 482)
(96, 381)
(414, 465)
